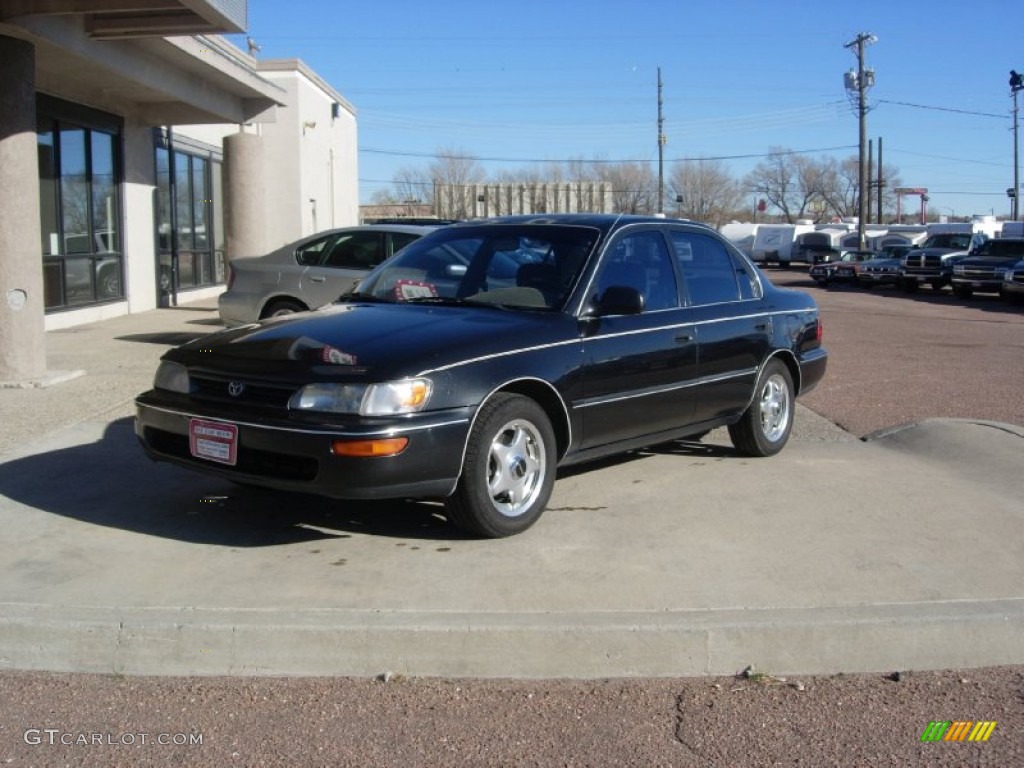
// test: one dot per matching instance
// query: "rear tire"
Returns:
(282, 307)
(764, 428)
(509, 470)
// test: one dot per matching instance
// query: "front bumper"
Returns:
(1012, 288)
(878, 278)
(296, 457)
(983, 286)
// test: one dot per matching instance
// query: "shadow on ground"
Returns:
(110, 482)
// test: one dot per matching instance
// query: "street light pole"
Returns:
(860, 82)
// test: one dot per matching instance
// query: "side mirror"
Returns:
(619, 300)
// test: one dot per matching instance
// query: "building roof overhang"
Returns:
(156, 80)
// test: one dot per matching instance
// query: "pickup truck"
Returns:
(984, 268)
(932, 262)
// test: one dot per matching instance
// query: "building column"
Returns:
(244, 211)
(22, 323)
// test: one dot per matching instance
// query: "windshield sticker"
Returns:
(413, 289)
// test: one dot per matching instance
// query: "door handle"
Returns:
(318, 279)
(684, 338)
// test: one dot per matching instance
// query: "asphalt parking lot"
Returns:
(894, 360)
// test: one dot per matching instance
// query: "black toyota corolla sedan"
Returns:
(487, 354)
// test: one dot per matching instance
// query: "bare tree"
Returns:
(840, 187)
(704, 191)
(633, 186)
(787, 181)
(454, 172)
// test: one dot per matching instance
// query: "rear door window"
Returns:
(709, 270)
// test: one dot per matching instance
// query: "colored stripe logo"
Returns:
(958, 730)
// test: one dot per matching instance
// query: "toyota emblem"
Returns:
(236, 388)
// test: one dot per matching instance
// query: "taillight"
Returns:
(231, 276)
(819, 332)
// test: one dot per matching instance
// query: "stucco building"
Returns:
(139, 151)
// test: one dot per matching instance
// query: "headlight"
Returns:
(389, 398)
(172, 377)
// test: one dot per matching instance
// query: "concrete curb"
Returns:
(824, 640)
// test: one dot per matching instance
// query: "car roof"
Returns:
(606, 222)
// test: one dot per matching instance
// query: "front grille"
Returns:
(250, 461)
(980, 273)
(253, 394)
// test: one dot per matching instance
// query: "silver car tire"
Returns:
(763, 429)
(509, 469)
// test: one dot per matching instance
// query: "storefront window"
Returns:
(79, 150)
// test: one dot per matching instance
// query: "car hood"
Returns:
(945, 253)
(370, 341)
(989, 261)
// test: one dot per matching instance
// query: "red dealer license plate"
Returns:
(213, 440)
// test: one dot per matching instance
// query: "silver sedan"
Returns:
(310, 272)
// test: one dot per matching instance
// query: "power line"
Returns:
(434, 156)
(943, 109)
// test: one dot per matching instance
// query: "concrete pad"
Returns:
(836, 555)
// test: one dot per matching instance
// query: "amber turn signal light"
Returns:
(385, 446)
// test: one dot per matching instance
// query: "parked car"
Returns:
(933, 261)
(843, 269)
(1013, 283)
(448, 375)
(985, 268)
(310, 272)
(881, 269)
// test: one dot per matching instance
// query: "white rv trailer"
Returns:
(774, 242)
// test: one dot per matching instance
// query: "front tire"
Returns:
(509, 470)
(764, 428)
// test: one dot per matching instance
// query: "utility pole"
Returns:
(1016, 86)
(858, 83)
(661, 150)
(881, 181)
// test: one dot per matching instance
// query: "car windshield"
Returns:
(524, 266)
(948, 240)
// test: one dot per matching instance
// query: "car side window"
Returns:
(312, 253)
(401, 239)
(641, 260)
(708, 269)
(749, 287)
(356, 250)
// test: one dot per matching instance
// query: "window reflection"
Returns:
(189, 210)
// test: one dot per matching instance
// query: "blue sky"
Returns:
(518, 84)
